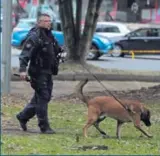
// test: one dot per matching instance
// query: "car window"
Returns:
(57, 26)
(111, 29)
(156, 32)
(152, 33)
(99, 28)
(26, 24)
(145, 33)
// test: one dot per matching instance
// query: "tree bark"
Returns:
(90, 24)
(78, 43)
(78, 20)
(98, 6)
(68, 26)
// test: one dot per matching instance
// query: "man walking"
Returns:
(42, 50)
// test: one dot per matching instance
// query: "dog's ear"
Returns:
(146, 113)
(142, 109)
(145, 110)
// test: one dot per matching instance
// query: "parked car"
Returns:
(111, 29)
(141, 41)
(100, 45)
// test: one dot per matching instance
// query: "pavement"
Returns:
(65, 88)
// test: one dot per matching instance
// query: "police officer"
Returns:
(42, 50)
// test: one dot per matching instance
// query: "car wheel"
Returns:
(93, 53)
(117, 51)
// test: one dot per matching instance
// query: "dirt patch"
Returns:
(147, 95)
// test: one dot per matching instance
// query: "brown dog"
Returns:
(104, 106)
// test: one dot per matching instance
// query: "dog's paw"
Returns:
(86, 136)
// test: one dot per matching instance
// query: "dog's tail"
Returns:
(79, 90)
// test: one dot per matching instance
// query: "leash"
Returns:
(105, 87)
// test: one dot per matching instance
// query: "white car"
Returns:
(111, 29)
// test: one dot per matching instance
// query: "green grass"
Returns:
(68, 119)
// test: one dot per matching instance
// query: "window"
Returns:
(143, 32)
(57, 26)
(156, 32)
(153, 32)
(25, 24)
(111, 29)
(99, 28)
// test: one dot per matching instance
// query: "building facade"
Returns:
(141, 11)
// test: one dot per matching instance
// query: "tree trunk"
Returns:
(78, 43)
(90, 24)
(68, 26)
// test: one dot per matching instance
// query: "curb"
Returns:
(101, 77)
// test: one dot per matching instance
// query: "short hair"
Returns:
(42, 14)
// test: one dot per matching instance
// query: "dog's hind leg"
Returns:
(118, 132)
(92, 118)
(90, 122)
(96, 125)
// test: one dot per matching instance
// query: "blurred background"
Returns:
(123, 26)
(140, 11)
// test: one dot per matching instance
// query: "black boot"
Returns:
(22, 123)
(47, 130)
(45, 127)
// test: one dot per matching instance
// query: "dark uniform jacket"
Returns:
(42, 50)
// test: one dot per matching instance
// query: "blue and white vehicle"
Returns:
(100, 44)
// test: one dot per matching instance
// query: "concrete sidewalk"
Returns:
(63, 88)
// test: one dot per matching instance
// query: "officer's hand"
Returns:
(23, 75)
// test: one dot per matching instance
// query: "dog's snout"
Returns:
(149, 124)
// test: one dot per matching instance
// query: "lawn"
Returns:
(68, 117)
